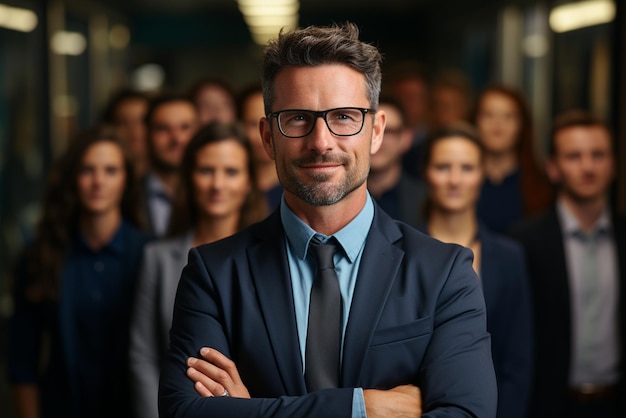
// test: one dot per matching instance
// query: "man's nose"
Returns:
(178, 135)
(321, 138)
(587, 163)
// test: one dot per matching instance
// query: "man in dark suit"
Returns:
(398, 193)
(575, 256)
(171, 121)
(265, 325)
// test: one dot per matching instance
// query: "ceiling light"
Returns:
(68, 43)
(274, 21)
(579, 15)
(269, 9)
(148, 77)
(16, 18)
(265, 18)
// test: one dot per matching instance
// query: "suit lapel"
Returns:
(554, 243)
(374, 281)
(270, 273)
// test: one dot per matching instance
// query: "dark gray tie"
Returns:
(323, 341)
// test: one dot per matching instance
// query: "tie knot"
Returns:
(323, 253)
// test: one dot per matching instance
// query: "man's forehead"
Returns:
(319, 87)
(583, 136)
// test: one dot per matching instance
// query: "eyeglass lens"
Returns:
(298, 123)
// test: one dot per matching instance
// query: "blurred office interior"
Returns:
(60, 60)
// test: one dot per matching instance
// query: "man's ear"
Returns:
(265, 127)
(378, 131)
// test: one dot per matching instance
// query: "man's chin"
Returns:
(165, 167)
(583, 197)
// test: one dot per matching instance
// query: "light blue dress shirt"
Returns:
(595, 349)
(351, 239)
(159, 205)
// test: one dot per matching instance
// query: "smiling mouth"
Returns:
(320, 166)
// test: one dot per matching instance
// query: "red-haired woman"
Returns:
(514, 187)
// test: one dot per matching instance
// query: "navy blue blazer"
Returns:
(417, 317)
(509, 320)
(43, 337)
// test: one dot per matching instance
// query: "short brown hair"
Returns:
(314, 46)
(162, 100)
(570, 119)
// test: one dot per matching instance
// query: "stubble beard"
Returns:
(321, 192)
(163, 166)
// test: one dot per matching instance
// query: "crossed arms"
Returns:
(260, 367)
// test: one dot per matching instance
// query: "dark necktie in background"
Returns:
(323, 341)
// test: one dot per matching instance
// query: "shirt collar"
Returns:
(571, 226)
(156, 187)
(116, 245)
(351, 237)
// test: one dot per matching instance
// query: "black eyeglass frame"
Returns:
(321, 114)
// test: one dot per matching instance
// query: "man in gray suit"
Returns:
(266, 325)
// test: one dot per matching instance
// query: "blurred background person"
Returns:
(515, 187)
(450, 98)
(126, 111)
(576, 255)
(215, 100)
(171, 120)
(68, 343)
(252, 109)
(453, 171)
(398, 193)
(408, 83)
(217, 197)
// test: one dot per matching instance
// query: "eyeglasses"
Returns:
(341, 121)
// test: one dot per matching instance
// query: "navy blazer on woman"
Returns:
(504, 277)
(417, 316)
(45, 337)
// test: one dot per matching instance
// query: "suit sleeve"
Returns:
(458, 378)
(144, 355)
(198, 322)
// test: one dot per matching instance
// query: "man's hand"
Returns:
(215, 375)
(401, 401)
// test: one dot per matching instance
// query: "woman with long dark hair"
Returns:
(68, 339)
(515, 186)
(218, 196)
